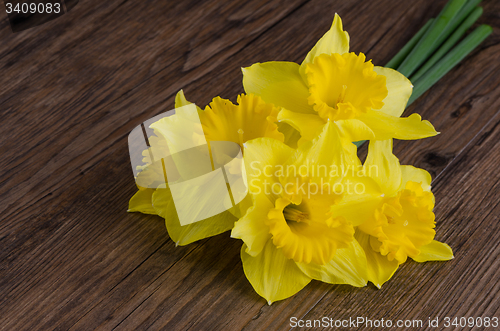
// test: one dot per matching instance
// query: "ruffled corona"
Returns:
(307, 232)
(251, 118)
(344, 86)
(403, 223)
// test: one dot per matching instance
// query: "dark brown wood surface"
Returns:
(72, 258)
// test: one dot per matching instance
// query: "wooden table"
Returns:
(72, 258)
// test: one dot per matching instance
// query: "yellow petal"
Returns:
(278, 83)
(261, 157)
(272, 275)
(183, 235)
(180, 131)
(181, 101)
(292, 135)
(152, 174)
(383, 166)
(386, 126)
(142, 202)
(336, 40)
(417, 175)
(399, 88)
(327, 150)
(435, 251)
(355, 130)
(242, 207)
(309, 125)
(358, 208)
(348, 266)
(252, 228)
(380, 269)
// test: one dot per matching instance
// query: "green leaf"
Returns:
(403, 53)
(450, 60)
(459, 18)
(443, 50)
(430, 41)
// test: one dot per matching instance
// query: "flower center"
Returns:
(293, 214)
(342, 95)
(306, 232)
(344, 86)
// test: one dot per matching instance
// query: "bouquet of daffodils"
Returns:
(310, 209)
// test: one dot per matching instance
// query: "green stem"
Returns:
(430, 37)
(449, 61)
(428, 43)
(455, 37)
(464, 12)
(403, 53)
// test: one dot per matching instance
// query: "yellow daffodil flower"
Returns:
(293, 233)
(221, 121)
(365, 101)
(397, 212)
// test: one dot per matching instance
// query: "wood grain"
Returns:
(72, 258)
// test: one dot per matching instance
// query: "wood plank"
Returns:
(109, 63)
(49, 215)
(71, 253)
(143, 312)
(153, 310)
(260, 321)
